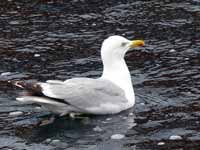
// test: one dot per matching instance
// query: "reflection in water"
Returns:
(59, 40)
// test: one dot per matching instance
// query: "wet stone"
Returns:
(47, 141)
(107, 119)
(58, 143)
(86, 16)
(141, 120)
(24, 50)
(142, 104)
(97, 129)
(49, 39)
(36, 55)
(38, 108)
(117, 136)
(175, 137)
(130, 114)
(55, 142)
(194, 137)
(161, 143)
(14, 22)
(5, 73)
(150, 125)
(132, 125)
(172, 51)
(16, 113)
(124, 118)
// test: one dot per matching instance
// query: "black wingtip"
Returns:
(30, 86)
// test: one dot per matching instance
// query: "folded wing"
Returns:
(91, 95)
(97, 96)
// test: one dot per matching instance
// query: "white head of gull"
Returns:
(111, 93)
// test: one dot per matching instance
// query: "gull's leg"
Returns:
(47, 121)
(77, 116)
(72, 115)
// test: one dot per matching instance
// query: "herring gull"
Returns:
(111, 93)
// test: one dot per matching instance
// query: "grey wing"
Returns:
(96, 96)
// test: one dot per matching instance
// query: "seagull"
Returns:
(109, 94)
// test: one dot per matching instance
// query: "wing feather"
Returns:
(85, 93)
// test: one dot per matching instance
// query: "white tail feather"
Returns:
(39, 100)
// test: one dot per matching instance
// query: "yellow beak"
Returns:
(136, 43)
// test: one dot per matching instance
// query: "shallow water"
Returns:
(59, 40)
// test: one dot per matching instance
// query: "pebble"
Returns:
(38, 108)
(142, 104)
(97, 129)
(175, 137)
(140, 120)
(36, 55)
(124, 118)
(13, 12)
(172, 50)
(59, 143)
(124, 34)
(14, 22)
(161, 143)
(117, 136)
(130, 114)
(55, 142)
(48, 140)
(132, 125)
(108, 119)
(16, 113)
(5, 73)
(86, 16)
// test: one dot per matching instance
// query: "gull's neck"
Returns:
(117, 72)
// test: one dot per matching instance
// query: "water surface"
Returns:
(61, 39)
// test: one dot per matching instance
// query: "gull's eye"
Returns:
(124, 44)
